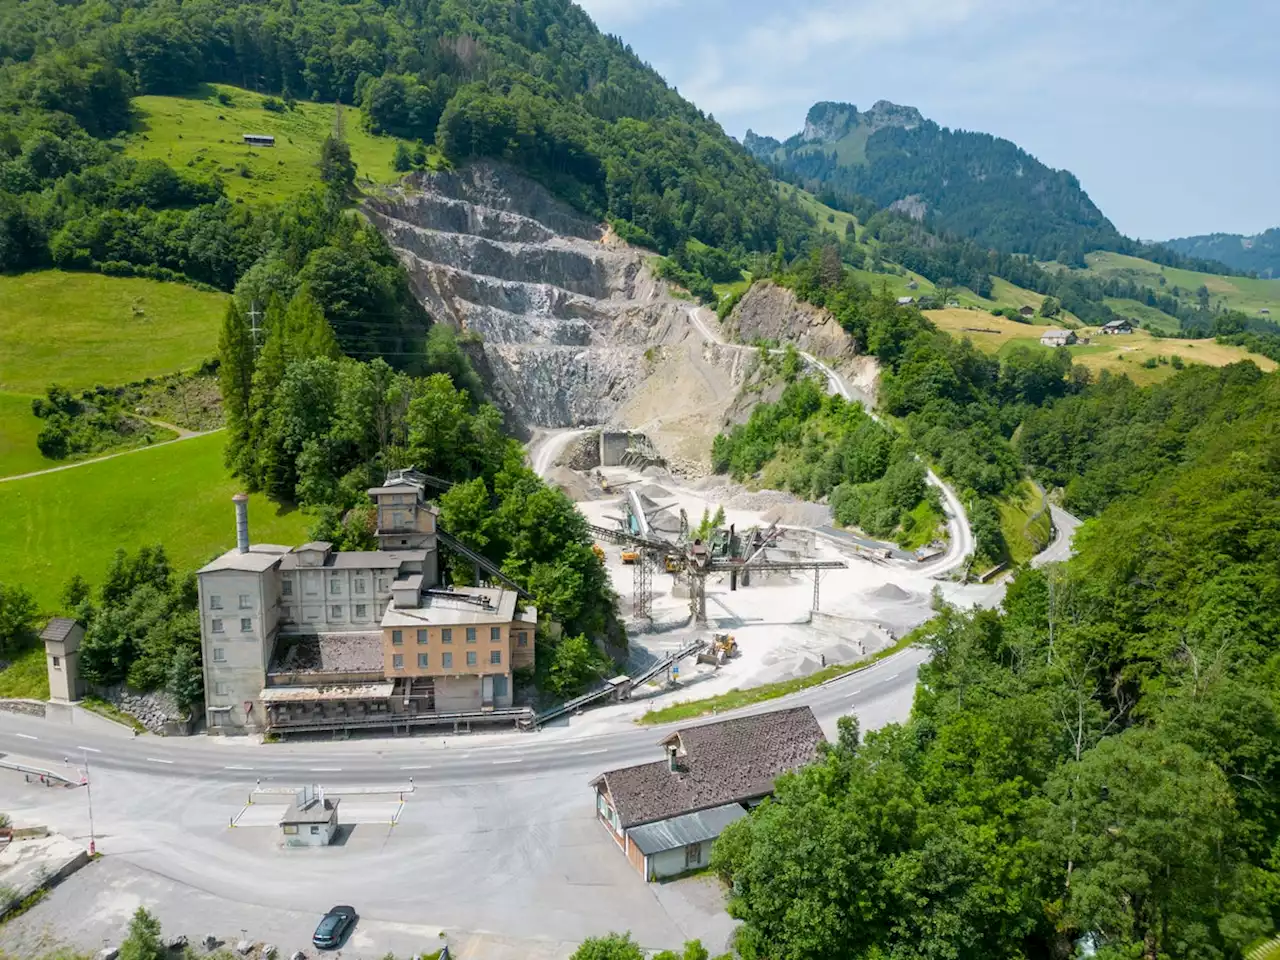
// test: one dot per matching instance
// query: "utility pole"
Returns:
(254, 314)
(88, 790)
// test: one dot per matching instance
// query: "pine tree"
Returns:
(310, 334)
(235, 379)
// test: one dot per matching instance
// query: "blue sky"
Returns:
(1167, 110)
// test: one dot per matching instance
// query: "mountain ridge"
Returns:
(1259, 253)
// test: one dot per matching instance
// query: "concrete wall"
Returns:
(333, 600)
(454, 694)
(305, 838)
(670, 863)
(612, 448)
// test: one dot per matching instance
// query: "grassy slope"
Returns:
(204, 135)
(1149, 317)
(1025, 520)
(1122, 354)
(27, 676)
(1237, 293)
(178, 494)
(18, 430)
(108, 329)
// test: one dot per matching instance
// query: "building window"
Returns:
(693, 855)
(335, 585)
(290, 829)
(286, 587)
(471, 634)
(359, 585)
(422, 635)
(216, 625)
(221, 689)
(397, 637)
(522, 638)
(335, 612)
(219, 655)
(447, 661)
(495, 656)
(246, 624)
(471, 658)
(495, 633)
(245, 602)
(311, 587)
(382, 585)
(57, 664)
(215, 602)
(287, 616)
(422, 660)
(362, 611)
(315, 831)
(446, 635)
(397, 661)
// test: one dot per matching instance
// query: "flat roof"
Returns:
(354, 652)
(359, 560)
(261, 556)
(438, 608)
(333, 691)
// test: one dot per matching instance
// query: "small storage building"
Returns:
(666, 815)
(259, 140)
(1057, 338)
(62, 638)
(311, 820)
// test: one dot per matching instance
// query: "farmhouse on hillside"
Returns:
(665, 815)
(906, 301)
(1057, 338)
(1027, 312)
(1118, 325)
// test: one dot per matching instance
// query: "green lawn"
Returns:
(83, 329)
(204, 135)
(18, 430)
(178, 494)
(838, 221)
(1235, 293)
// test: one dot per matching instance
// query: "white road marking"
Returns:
(893, 676)
(26, 736)
(237, 768)
(157, 760)
(855, 693)
(325, 770)
(587, 753)
(425, 766)
(90, 749)
(517, 760)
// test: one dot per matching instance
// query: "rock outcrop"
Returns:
(771, 312)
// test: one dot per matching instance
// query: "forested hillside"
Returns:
(1258, 254)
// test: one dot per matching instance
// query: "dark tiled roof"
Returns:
(58, 629)
(725, 762)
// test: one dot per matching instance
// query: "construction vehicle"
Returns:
(630, 556)
(673, 564)
(725, 645)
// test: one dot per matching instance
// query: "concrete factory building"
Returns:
(665, 815)
(312, 638)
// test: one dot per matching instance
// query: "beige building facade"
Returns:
(62, 637)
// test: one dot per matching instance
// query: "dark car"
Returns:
(335, 926)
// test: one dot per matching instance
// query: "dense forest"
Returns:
(1090, 770)
(1258, 254)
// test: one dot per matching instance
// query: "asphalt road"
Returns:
(1064, 531)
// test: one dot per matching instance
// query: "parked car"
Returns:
(335, 926)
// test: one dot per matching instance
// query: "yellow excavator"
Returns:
(673, 564)
(724, 645)
(630, 556)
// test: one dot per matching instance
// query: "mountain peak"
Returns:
(828, 120)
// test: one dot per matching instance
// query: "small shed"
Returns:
(1117, 326)
(1027, 311)
(62, 636)
(675, 846)
(906, 301)
(311, 820)
(259, 139)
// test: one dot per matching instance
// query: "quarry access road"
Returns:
(960, 542)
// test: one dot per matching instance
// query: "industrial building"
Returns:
(312, 639)
(665, 815)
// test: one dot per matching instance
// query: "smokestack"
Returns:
(671, 758)
(241, 501)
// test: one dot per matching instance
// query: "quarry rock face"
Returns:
(565, 313)
(771, 312)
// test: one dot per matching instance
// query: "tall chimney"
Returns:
(241, 500)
